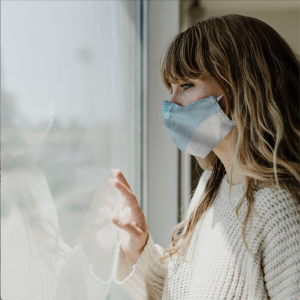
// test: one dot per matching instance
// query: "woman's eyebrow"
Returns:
(181, 83)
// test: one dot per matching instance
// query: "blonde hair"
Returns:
(258, 74)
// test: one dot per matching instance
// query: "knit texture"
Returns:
(218, 265)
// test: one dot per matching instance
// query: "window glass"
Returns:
(68, 111)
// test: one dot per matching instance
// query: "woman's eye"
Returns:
(186, 86)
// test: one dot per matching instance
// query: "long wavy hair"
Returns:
(258, 74)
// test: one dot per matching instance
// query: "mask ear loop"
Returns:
(220, 97)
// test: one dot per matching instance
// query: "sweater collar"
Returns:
(236, 190)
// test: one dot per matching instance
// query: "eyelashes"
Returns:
(187, 85)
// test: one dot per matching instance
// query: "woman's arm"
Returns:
(145, 279)
(281, 248)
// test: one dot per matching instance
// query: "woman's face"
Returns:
(193, 90)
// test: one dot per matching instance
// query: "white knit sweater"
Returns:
(220, 267)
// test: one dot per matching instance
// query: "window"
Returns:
(70, 95)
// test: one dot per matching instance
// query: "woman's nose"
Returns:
(175, 99)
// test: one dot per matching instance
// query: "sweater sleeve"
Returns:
(281, 247)
(145, 279)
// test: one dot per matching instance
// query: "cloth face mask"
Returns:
(198, 127)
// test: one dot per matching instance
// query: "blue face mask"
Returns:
(198, 127)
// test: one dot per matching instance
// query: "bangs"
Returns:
(182, 60)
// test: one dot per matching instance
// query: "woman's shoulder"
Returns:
(274, 199)
(277, 210)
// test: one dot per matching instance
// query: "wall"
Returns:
(163, 21)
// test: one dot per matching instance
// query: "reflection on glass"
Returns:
(67, 119)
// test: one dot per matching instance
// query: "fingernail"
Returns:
(116, 219)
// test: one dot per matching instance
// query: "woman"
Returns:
(234, 104)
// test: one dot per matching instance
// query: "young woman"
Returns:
(234, 104)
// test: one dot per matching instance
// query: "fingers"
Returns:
(121, 178)
(127, 193)
(126, 225)
(138, 223)
(135, 216)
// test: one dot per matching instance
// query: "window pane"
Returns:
(67, 117)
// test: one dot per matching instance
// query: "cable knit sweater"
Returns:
(218, 265)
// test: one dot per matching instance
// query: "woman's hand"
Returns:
(134, 233)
